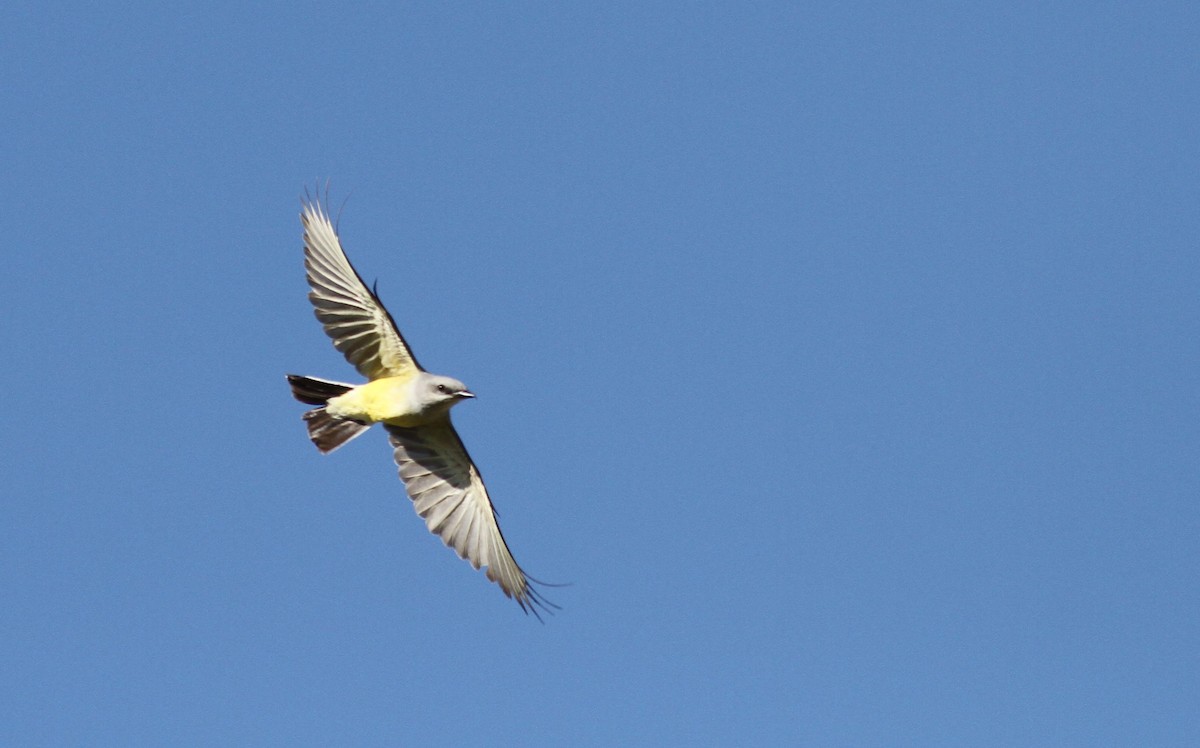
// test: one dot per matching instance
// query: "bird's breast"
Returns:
(389, 399)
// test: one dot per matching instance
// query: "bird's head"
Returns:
(435, 392)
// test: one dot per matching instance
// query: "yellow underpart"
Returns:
(387, 399)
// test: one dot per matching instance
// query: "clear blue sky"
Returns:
(844, 359)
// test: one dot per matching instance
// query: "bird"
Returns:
(412, 405)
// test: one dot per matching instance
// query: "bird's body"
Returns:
(388, 400)
(412, 404)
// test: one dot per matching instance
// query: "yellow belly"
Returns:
(386, 399)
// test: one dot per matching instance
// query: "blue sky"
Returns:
(843, 358)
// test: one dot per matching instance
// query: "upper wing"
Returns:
(353, 316)
(449, 494)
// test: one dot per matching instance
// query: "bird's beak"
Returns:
(466, 393)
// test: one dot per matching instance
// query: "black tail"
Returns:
(326, 431)
(330, 432)
(314, 391)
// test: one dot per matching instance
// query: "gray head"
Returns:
(434, 392)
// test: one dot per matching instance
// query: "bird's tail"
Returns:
(313, 391)
(327, 431)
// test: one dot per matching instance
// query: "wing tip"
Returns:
(315, 207)
(533, 601)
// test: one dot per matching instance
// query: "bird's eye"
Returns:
(441, 388)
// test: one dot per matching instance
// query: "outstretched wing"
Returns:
(449, 494)
(352, 315)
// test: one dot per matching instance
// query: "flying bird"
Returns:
(413, 406)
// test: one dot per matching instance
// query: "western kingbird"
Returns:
(412, 404)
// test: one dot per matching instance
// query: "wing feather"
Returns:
(352, 315)
(448, 493)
